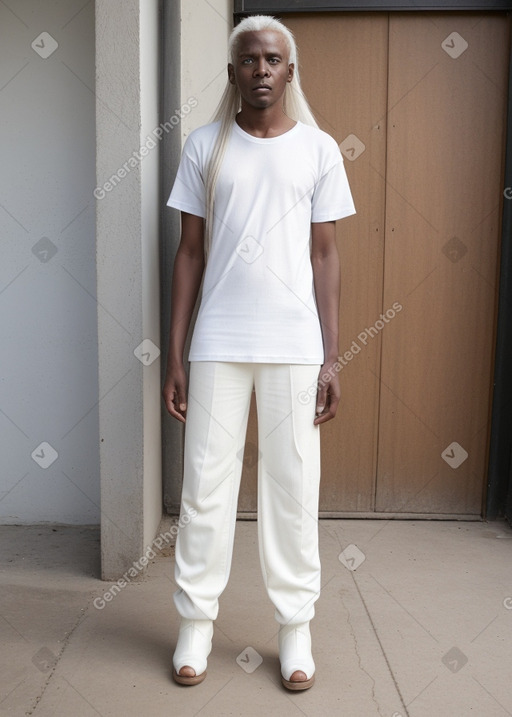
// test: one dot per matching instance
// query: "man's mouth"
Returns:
(259, 88)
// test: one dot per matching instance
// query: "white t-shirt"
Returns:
(258, 302)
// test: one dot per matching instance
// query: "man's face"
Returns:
(260, 68)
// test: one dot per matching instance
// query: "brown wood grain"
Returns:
(446, 127)
(428, 193)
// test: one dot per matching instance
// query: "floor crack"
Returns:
(65, 643)
(359, 659)
(381, 649)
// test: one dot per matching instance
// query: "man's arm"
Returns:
(186, 280)
(326, 275)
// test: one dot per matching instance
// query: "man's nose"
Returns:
(261, 69)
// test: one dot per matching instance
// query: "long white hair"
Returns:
(295, 105)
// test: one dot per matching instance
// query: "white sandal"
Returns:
(295, 655)
(193, 647)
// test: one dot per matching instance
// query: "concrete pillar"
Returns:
(127, 226)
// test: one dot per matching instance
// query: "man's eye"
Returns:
(274, 60)
(247, 61)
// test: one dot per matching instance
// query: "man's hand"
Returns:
(174, 392)
(328, 393)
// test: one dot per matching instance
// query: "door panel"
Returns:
(427, 189)
(443, 208)
(330, 82)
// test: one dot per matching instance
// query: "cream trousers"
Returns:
(288, 483)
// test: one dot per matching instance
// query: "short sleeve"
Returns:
(332, 198)
(188, 193)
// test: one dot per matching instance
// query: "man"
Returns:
(259, 191)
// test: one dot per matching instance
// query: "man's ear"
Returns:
(291, 70)
(231, 74)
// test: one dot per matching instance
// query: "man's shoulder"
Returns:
(204, 134)
(318, 138)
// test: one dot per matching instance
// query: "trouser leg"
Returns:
(288, 488)
(218, 408)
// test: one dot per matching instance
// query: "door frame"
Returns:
(243, 8)
(499, 475)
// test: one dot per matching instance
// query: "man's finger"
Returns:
(174, 405)
(321, 400)
(176, 412)
(181, 399)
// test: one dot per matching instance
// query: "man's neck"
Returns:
(268, 122)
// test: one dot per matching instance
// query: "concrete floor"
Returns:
(414, 620)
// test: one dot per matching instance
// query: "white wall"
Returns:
(205, 29)
(48, 326)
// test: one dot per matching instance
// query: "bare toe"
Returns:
(298, 676)
(187, 671)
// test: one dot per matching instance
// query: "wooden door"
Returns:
(417, 102)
